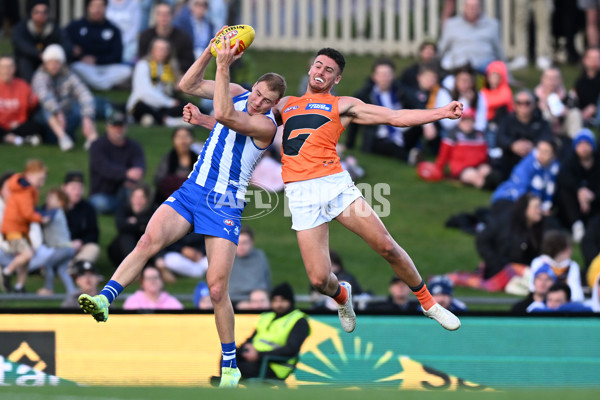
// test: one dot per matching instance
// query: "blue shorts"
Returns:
(208, 212)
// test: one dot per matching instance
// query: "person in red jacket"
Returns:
(17, 103)
(498, 97)
(19, 213)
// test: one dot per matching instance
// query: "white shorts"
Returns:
(317, 201)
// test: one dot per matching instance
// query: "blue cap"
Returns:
(440, 284)
(545, 269)
(200, 292)
(585, 135)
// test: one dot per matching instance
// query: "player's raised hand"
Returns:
(454, 110)
(191, 114)
(227, 54)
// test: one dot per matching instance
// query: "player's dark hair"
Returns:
(383, 61)
(335, 56)
(275, 82)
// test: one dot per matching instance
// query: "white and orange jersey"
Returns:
(311, 130)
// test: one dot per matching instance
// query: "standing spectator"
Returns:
(399, 299)
(587, 86)
(97, 48)
(32, 35)
(542, 10)
(127, 16)
(441, 288)
(251, 268)
(151, 295)
(470, 38)
(517, 135)
(153, 99)
(176, 165)
(117, 163)
(82, 219)
(543, 279)
(181, 44)
(498, 97)
(17, 106)
(193, 19)
(592, 33)
(66, 102)
(578, 191)
(277, 339)
(19, 213)
(131, 220)
(427, 56)
(87, 278)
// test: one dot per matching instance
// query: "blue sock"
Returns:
(228, 355)
(112, 290)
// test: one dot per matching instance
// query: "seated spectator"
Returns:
(427, 57)
(441, 288)
(182, 46)
(277, 339)
(17, 107)
(82, 219)
(65, 101)
(517, 135)
(97, 48)
(578, 185)
(19, 213)
(250, 268)
(32, 35)
(471, 37)
(587, 86)
(461, 86)
(187, 257)
(257, 301)
(556, 252)
(87, 278)
(131, 220)
(117, 164)
(58, 238)
(127, 16)
(151, 295)
(193, 19)
(498, 97)
(201, 297)
(464, 150)
(555, 106)
(536, 173)
(543, 279)
(399, 299)
(176, 165)
(558, 299)
(153, 99)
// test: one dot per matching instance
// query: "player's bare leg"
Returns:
(360, 218)
(314, 248)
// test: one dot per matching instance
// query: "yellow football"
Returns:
(243, 33)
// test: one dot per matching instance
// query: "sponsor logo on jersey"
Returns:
(290, 109)
(318, 106)
(228, 222)
(171, 199)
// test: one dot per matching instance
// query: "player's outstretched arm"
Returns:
(257, 126)
(368, 114)
(192, 115)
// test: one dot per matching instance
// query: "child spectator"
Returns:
(543, 279)
(498, 97)
(19, 212)
(151, 295)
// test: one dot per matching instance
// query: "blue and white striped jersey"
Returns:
(228, 158)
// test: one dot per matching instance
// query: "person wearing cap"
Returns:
(97, 48)
(117, 164)
(87, 278)
(32, 35)
(82, 219)
(18, 105)
(277, 339)
(441, 288)
(578, 185)
(65, 101)
(543, 278)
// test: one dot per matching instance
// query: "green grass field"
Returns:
(418, 209)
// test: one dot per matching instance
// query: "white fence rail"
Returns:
(380, 27)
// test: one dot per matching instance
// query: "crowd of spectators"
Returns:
(534, 149)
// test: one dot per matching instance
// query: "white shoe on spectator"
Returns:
(33, 140)
(519, 62)
(65, 143)
(578, 230)
(543, 63)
